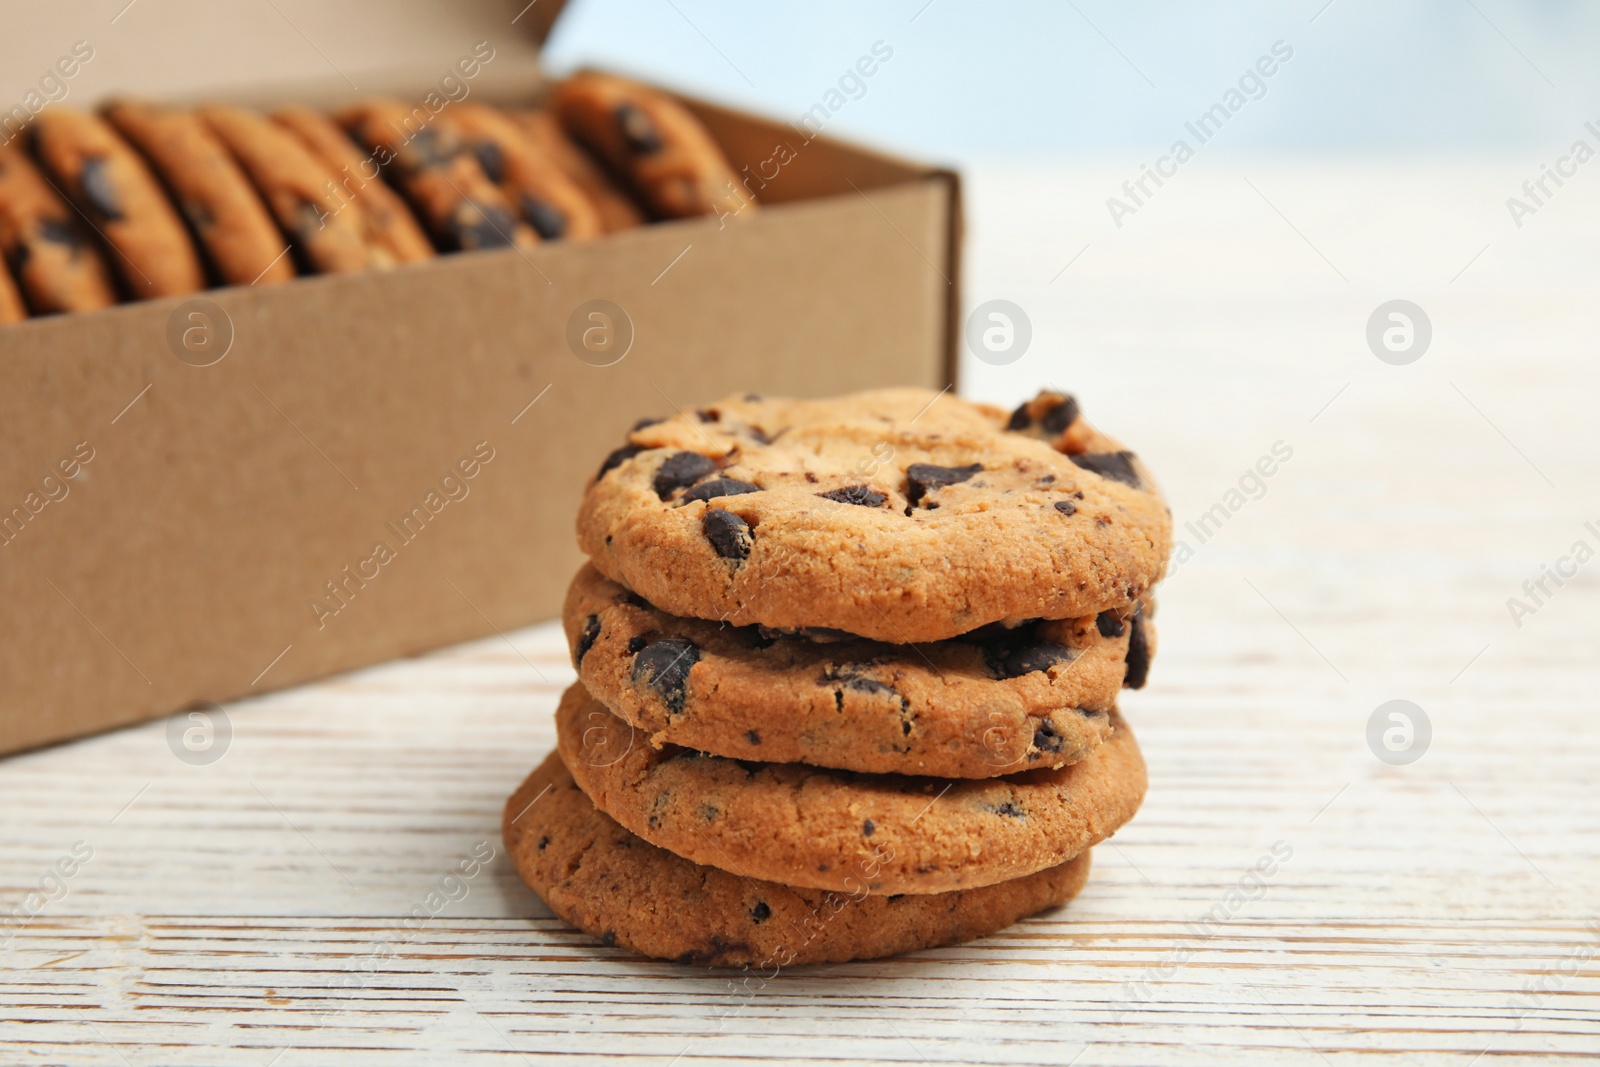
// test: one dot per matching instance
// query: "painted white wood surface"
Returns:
(251, 911)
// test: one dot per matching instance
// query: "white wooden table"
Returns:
(251, 911)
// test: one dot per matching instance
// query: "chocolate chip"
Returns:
(855, 494)
(1118, 466)
(664, 666)
(1108, 624)
(638, 132)
(719, 487)
(921, 478)
(491, 159)
(628, 596)
(473, 226)
(617, 459)
(61, 232)
(760, 913)
(1066, 507)
(1059, 418)
(709, 812)
(752, 736)
(586, 639)
(727, 532)
(1008, 809)
(547, 220)
(708, 414)
(681, 470)
(636, 644)
(1045, 738)
(95, 184)
(642, 423)
(1138, 671)
(427, 148)
(1020, 419)
(543, 841)
(1014, 658)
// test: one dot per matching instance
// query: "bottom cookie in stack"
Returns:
(604, 880)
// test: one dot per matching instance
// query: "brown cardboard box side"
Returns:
(223, 502)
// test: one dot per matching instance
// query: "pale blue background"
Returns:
(1036, 79)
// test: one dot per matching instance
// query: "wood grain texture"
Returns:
(253, 911)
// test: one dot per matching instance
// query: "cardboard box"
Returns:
(406, 449)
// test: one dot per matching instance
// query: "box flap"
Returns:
(287, 49)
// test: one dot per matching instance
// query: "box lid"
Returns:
(278, 51)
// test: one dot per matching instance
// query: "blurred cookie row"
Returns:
(143, 201)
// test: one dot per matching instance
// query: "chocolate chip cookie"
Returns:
(897, 515)
(602, 879)
(543, 130)
(654, 144)
(990, 703)
(428, 159)
(827, 829)
(389, 230)
(111, 185)
(50, 253)
(296, 187)
(548, 200)
(233, 225)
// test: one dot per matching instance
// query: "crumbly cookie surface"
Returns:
(51, 254)
(654, 144)
(600, 878)
(111, 184)
(544, 132)
(296, 187)
(233, 225)
(899, 515)
(444, 182)
(806, 826)
(391, 232)
(992, 703)
(546, 198)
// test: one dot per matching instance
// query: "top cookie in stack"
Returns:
(868, 646)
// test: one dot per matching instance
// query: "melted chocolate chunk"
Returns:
(1066, 507)
(1008, 809)
(61, 232)
(617, 459)
(752, 736)
(636, 644)
(1118, 466)
(1058, 418)
(491, 159)
(1021, 655)
(727, 532)
(1020, 419)
(760, 913)
(681, 470)
(719, 487)
(1138, 671)
(95, 184)
(664, 666)
(543, 843)
(855, 494)
(428, 149)
(586, 639)
(1045, 738)
(638, 132)
(1108, 624)
(922, 478)
(545, 218)
(868, 828)
(473, 226)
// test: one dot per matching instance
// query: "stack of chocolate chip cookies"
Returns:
(848, 673)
